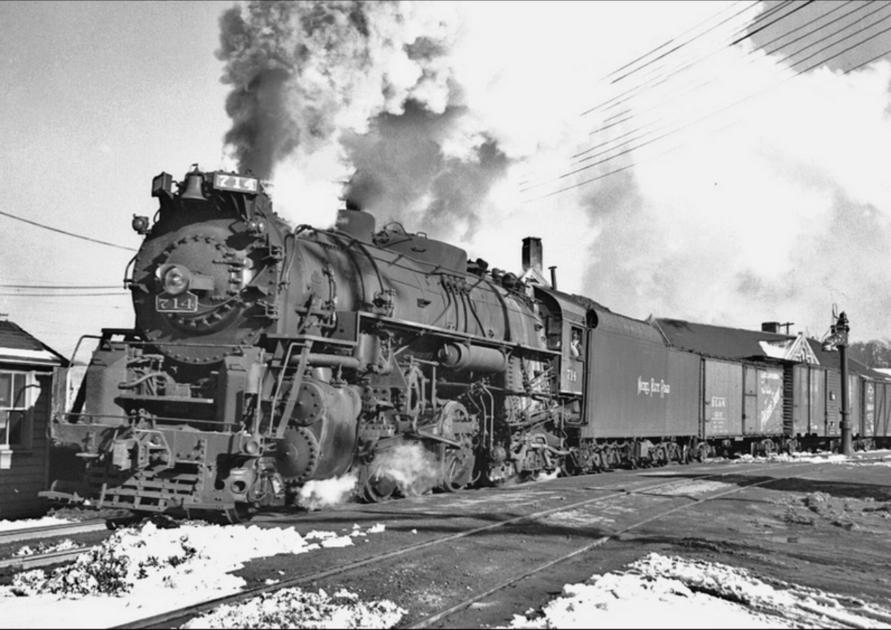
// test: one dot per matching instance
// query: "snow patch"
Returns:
(143, 571)
(671, 592)
(695, 487)
(296, 608)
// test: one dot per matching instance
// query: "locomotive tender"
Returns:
(263, 357)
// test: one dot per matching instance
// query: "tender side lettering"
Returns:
(653, 387)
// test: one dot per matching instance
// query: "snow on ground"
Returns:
(142, 571)
(296, 608)
(813, 458)
(671, 592)
(28, 523)
(695, 487)
(801, 458)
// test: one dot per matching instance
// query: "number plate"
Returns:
(235, 183)
(185, 303)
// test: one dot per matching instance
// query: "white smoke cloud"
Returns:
(772, 207)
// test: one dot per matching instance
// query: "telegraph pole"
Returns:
(841, 330)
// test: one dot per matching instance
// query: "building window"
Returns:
(17, 395)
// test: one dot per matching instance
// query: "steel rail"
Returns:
(21, 563)
(46, 531)
(176, 617)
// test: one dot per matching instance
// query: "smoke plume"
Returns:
(403, 172)
(303, 72)
(737, 203)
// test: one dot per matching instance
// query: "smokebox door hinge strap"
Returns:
(293, 393)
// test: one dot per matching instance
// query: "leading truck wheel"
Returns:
(379, 488)
(457, 471)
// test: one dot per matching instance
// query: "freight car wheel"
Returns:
(701, 452)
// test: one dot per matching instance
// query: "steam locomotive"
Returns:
(264, 357)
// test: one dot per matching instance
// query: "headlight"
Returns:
(176, 280)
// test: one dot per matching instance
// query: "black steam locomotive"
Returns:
(264, 357)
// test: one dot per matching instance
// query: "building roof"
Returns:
(720, 341)
(832, 359)
(20, 347)
(737, 344)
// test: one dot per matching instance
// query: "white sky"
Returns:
(771, 210)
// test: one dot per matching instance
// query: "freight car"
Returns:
(265, 357)
(763, 391)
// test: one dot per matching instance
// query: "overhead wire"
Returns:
(667, 43)
(66, 295)
(636, 86)
(785, 79)
(650, 79)
(640, 130)
(683, 126)
(681, 45)
(651, 86)
(67, 233)
(59, 287)
(663, 45)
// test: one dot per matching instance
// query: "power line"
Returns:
(867, 62)
(641, 136)
(798, 73)
(681, 45)
(667, 43)
(640, 130)
(651, 85)
(59, 286)
(809, 22)
(53, 229)
(648, 81)
(65, 295)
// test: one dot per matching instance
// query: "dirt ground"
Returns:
(825, 526)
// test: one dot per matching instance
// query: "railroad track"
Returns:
(48, 531)
(22, 563)
(175, 618)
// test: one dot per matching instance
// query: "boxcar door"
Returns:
(750, 399)
(817, 418)
(869, 408)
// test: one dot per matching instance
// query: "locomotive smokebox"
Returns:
(532, 254)
(355, 222)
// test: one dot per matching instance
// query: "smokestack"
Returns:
(355, 221)
(770, 327)
(553, 269)
(532, 254)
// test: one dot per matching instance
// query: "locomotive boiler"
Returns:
(263, 357)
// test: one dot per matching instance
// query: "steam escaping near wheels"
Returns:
(324, 493)
(409, 466)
